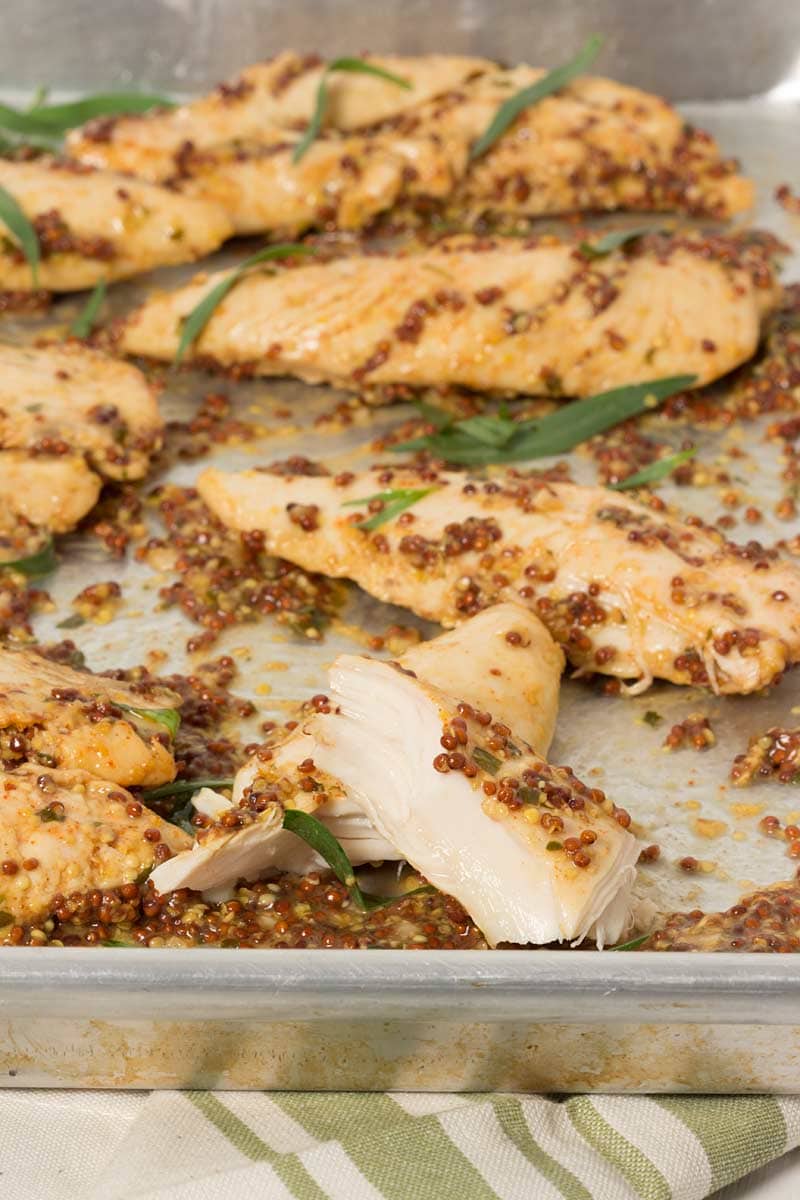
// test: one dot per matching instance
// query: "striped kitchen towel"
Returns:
(343, 1146)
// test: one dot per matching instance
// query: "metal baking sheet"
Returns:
(254, 1019)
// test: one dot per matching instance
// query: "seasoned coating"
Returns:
(67, 394)
(493, 315)
(48, 492)
(627, 591)
(54, 716)
(342, 182)
(95, 225)
(64, 831)
(267, 97)
(596, 144)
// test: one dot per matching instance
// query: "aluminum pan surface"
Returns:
(190, 44)
(604, 740)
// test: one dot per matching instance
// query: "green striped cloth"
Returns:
(345, 1146)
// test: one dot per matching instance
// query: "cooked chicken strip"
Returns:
(70, 394)
(340, 182)
(81, 832)
(58, 717)
(628, 592)
(485, 315)
(503, 660)
(273, 95)
(51, 493)
(596, 144)
(95, 225)
(531, 853)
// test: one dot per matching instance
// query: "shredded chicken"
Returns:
(503, 661)
(628, 592)
(54, 716)
(487, 315)
(94, 225)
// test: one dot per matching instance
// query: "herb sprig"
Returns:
(320, 838)
(43, 562)
(553, 81)
(22, 231)
(170, 718)
(84, 323)
(45, 124)
(394, 503)
(654, 471)
(183, 787)
(354, 66)
(613, 241)
(633, 944)
(202, 313)
(479, 441)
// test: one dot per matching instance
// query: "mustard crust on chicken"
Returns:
(498, 315)
(94, 225)
(54, 716)
(627, 591)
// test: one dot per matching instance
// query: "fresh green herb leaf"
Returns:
(655, 471)
(22, 231)
(486, 761)
(51, 812)
(354, 66)
(556, 433)
(43, 562)
(183, 787)
(319, 838)
(182, 817)
(62, 117)
(553, 81)
(633, 944)
(394, 503)
(73, 622)
(434, 416)
(83, 324)
(113, 942)
(169, 717)
(554, 846)
(53, 120)
(38, 98)
(613, 241)
(652, 718)
(202, 313)
(528, 795)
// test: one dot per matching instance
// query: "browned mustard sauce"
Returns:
(774, 755)
(764, 922)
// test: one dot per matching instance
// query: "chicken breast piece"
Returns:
(486, 315)
(94, 225)
(532, 854)
(81, 833)
(627, 592)
(275, 95)
(595, 144)
(341, 182)
(503, 660)
(48, 492)
(54, 716)
(70, 394)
